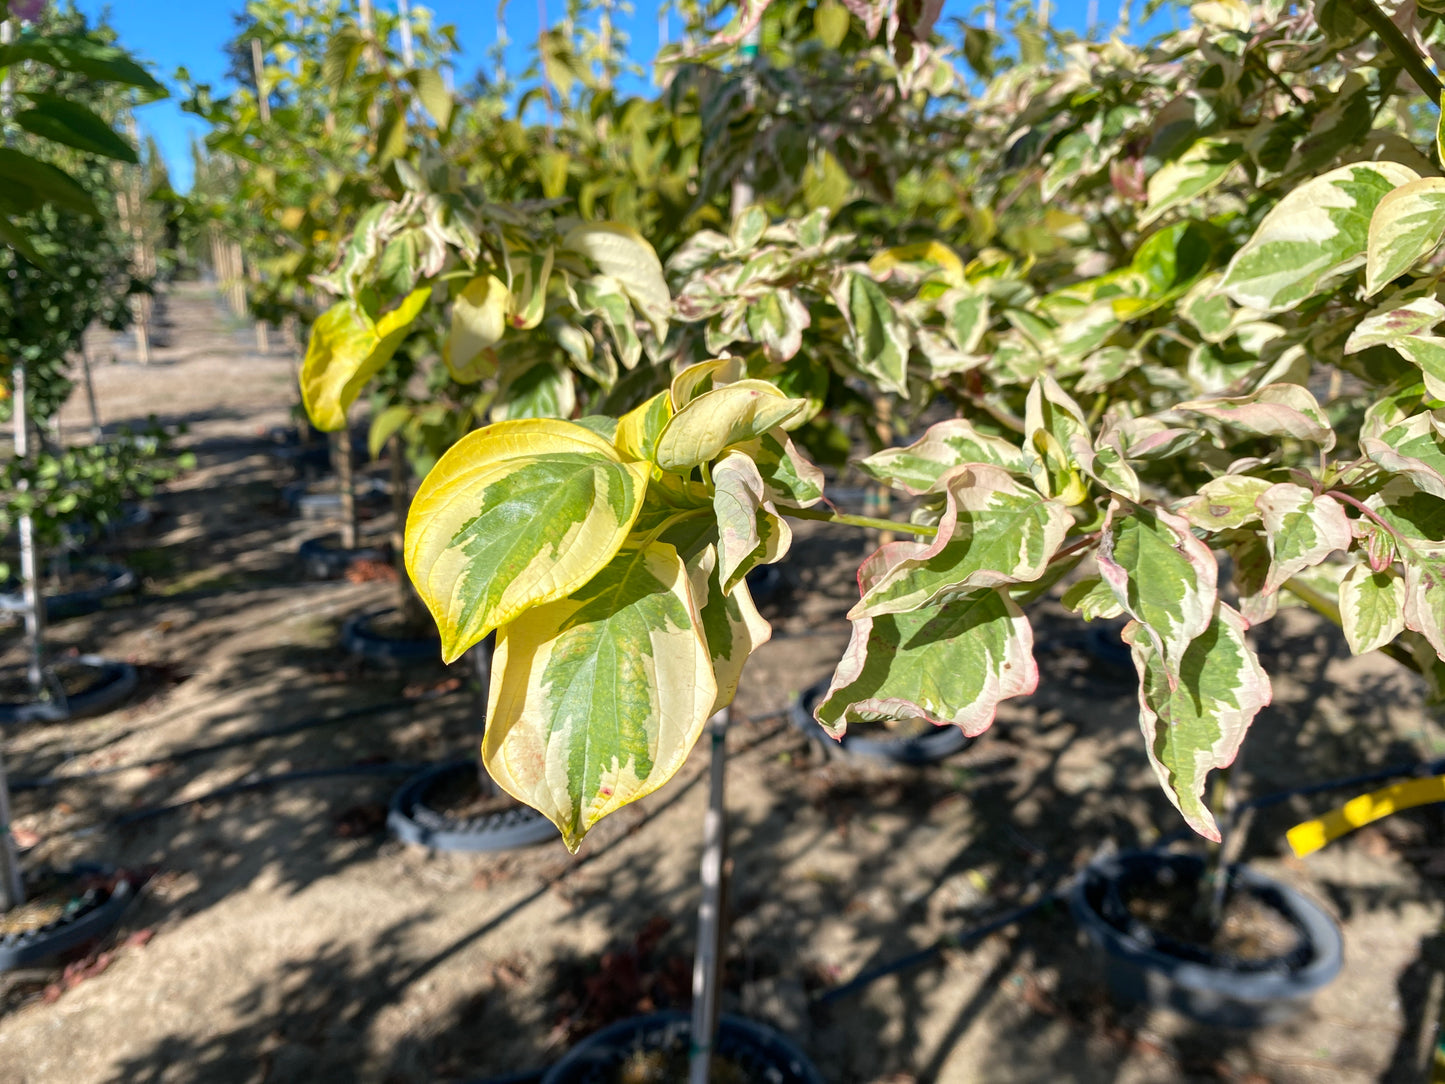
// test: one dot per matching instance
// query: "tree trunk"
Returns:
(346, 480)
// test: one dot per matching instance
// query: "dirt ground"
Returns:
(284, 937)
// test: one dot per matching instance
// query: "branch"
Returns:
(829, 515)
(1404, 49)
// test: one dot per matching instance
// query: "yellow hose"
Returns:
(1310, 836)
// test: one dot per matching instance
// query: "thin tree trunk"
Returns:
(12, 884)
(29, 572)
(707, 963)
(345, 478)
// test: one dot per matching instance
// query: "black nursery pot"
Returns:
(115, 680)
(324, 558)
(1144, 966)
(96, 912)
(360, 637)
(412, 820)
(762, 1054)
(926, 748)
(116, 581)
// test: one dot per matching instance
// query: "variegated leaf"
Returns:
(535, 389)
(1372, 608)
(515, 515)
(1425, 595)
(1161, 574)
(917, 468)
(1224, 502)
(1301, 529)
(750, 532)
(1428, 352)
(704, 377)
(966, 318)
(877, 334)
(638, 429)
(1197, 724)
(1386, 328)
(604, 296)
(1059, 433)
(994, 531)
(623, 255)
(791, 481)
(1408, 225)
(721, 418)
(479, 320)
(531, 272)
(731, 624)
(944, 664)
(598, 698)
(1314, 234)
(1203, 166)
(1276, 410)
(347, 349)
(1092, 598)
(777, 319)
(1414, 448)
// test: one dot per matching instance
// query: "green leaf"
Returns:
(1276, 410)
(432, 92)
(877, 335)
(994, 531)
(385, 425)
(622, 254)
(597, 699)
(64, 121)
(1408, 225)
(1301, 530)
(950, 664)
(1316, 233)
(1372, 608)
(1162, 575)
(346, 350)
(722, 418)
(918, 468)
(516, 515)
(85, 55)
(40, 183)
(1197, 723)
(830, 23)
(530, 273)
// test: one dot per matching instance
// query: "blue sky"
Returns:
(191, 33)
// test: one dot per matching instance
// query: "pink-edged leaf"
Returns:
(1162, 575)
(944, 664)
(1197, 724)
(994, 531)
(1276, 410)
(1301, 530)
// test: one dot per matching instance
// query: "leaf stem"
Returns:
(1329, 609)
(1404, 49)
(829, 515)
(1354, 503)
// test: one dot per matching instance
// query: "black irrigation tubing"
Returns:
(17, 785)
(1009, 918)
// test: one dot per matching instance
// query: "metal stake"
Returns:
(707, 964)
